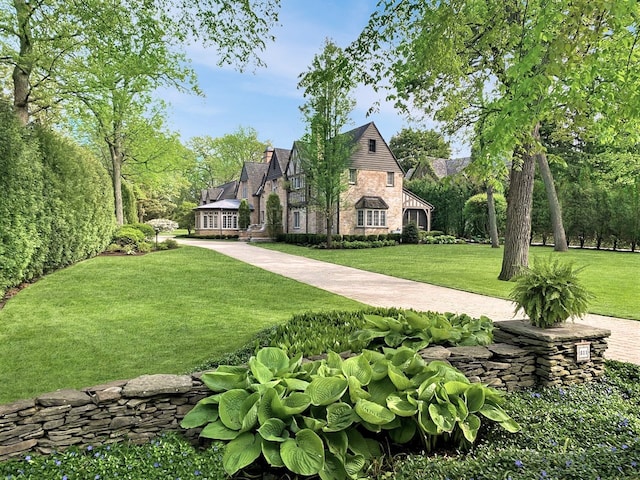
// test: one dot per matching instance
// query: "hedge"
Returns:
(56, 206)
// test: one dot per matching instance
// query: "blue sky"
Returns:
(267, 99)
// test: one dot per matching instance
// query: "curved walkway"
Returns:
(385, 291)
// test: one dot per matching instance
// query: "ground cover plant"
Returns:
(112, 318)
(612, 277)
(573, 433)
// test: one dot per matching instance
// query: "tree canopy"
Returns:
(412, 147)
(526, 63)
(325, 150)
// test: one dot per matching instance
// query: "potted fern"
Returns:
(550, 292)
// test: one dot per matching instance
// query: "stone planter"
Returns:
(565, 354)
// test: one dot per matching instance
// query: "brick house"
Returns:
(375, 201)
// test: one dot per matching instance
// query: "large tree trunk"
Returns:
(24, 63)
(493, 223)
(116, 164)
(518, 230)
(559, 236)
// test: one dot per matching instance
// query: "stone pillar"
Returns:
(565, 354)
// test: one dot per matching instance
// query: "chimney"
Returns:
(268, 153)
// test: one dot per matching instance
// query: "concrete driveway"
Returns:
(385, 291)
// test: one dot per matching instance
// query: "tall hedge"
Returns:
(56, 206)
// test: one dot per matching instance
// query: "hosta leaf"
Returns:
(443, 415)
(334, 360)
(217, 431)
(296, 402)
(399, 405)
(249, 412)
(273, 358)
(373, 413)
(271, 452)
(274, 430)
(303, 455)
(326, 390)
(394, 339)
(241, 452)
(199, 415)
(427, 390)
(470, 427)
(295, 384)
(405, 432)
(339, 417)
(379, 370)
(461, 408)
(261, 372)
(398, 378)
(425, 422)
(381, 323)
(456, 388)
(475, 398)
(265, 407)
(510, 425)
(333, 468)
(354, 465)
(314, 424)
(380, 390)
(494, 412)
(231, 408)
(356, 392)
(337, 443)
(417, 321)
(359, 445)
(359, 368)
(219, 381)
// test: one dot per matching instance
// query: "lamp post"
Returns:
(157, 229)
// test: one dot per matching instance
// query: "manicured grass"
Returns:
(113, 317)
(613, 277)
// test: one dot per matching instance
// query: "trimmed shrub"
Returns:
(145, 228)
(410, 233)
(170, 243)
(128, 235)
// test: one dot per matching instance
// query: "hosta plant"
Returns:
(318, 418)
(418, 330)
(550, 292)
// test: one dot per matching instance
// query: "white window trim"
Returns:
(371, 218)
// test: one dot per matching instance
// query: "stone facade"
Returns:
(142, 408)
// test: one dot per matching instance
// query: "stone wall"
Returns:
(557, 350)
(136, 410)
(142, 408)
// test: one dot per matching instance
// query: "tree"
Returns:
(244, 214)
(219, 160)
(413, 147)
(274, 215)
(40, 37)
(326, 152)
(535, 61)
(477, 216)
(186, 216)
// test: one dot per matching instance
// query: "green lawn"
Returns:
(613, 277)
(112, 318)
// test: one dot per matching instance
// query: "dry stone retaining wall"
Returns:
(142, 408)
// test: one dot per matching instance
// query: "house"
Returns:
(438, 168)
(375, 201)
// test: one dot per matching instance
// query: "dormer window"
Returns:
(372, 145)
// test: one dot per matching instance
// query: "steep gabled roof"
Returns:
(253, 172)
(278, 163)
